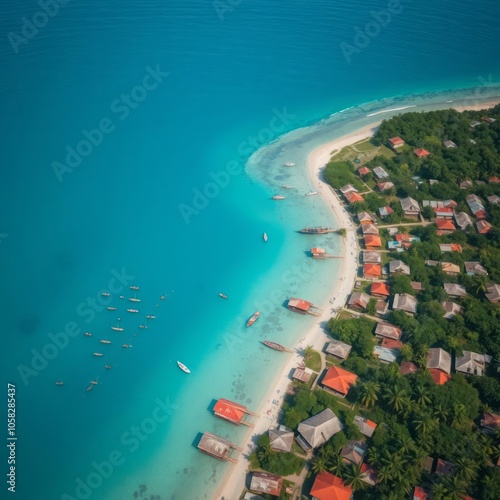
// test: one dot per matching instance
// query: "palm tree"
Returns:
(353, 475)
(369, 394)
(459, 415)
(336, 464)
(308, 352)
(406, 444)
(424, 424)
(439, 491)
(421, 397)
(455, 488)
(318, 465)
(397, 398)
(466, 469)
(440, 413)
(421, 357)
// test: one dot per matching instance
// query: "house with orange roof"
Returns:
(395, 143)
(329, 487)
(420, 493)
(421, 153)
(354, 197)
(494, 179)
(339, 380)
(443, 212)
(363, 171)
(445, 226)
(380, 289)
(391, 343)
(439, 377)
(231, 411)
(483, 226)
(450, 247)
(372, 241)
(439, 365)
(372, 271)
(369, 229)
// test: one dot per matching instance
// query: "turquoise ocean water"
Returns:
(183, 93)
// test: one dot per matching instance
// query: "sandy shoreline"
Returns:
(234, 479)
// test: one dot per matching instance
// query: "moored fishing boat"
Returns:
(108, 367)
(289, 164)
(274, 345)
(104, 341)
(105, 294)
(316, 230)
(134, 299)
(98, 354)
(126, 346)
(183, 367)
(223, 295)
(143, 326)
(278, 197)
(132, 310)
(118, 328)
(253, 319)
(134, 287)
(311, 193)
(59, 383)
(87, 334)
(150, 316)
(111, 308)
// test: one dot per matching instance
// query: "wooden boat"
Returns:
(108, 367)
(59, 383)
(312, 193)
(150, 316)
(223, 295)
(94, 382)
(316, 230)
(274, 345)
(98, 354)
(183, 367)
(289, 164)
(143, 327)
(132, 310)
(134, 299)
(253, 319)
(278, 197)
(264, 236)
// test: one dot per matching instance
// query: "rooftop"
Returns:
(339, 380)
(329, 487)
(440, 359)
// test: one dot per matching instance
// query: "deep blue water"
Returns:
(266, 68)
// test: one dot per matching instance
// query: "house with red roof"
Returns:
(443, 212)
(395, 143)
(445, 226)
(483, 226)
(494, 179)
(372, 242)
(363, 171)
(380, 289)
(408, 367)
(329, 487)
(391, 343)
(354, 197)
(420, 493)
(421, 153)
(339, 380)
(372, 271)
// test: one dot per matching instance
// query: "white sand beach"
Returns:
(234, 480)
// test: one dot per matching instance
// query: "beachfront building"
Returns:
(483, 226)
(451, 309)
(385, 212)
(366, 427)
(354, 198)
(372, 258)
(387, 330)
(329, 487)
(339, 380)
(476, 206)
(463, 220)
(302, 374)
(264, 482)
(421, 152)
(445, 226)
(338, 349)
(301, 306)
(449, 144)
(217, 447)
(404, 302)
(354, 451)
(454, 290)
(395, 143)
(232, 412)
(359, 300)
(475, 268)
(372, 242)
(470, 363)
(380, 289)
(366, 218)
(372, 271)
(399, 267)
(493, 293)
(380, 173)
(410, 207)
(318, 253)
(369, 229)
(281, 439)
(348, 188)
(318, 429)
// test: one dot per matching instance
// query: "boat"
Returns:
(105, 341)
(133, 287)
(98, 354)
(253, 319)
(90, 387)
(150, 316)
(316, 230)
(94, 382)
(143, 326)
(118, 328)
(59, 383)
(223, 295)
(274, 345)
(111, 308)
(285, 186)
(108, 367)
(132, 310)
(126, 346)
(278, 197)
(122, 296)
(312, 193)
(264, 236)
(105, 294)
(183, 367)
(87, 334)
(289, 164)
(134, 299)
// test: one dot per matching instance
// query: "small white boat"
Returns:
(223, 295)
(105, 294)
(134, 287)
(126, 346)
(134, 299)
(111, 308)
(286, 186)
(118, 328)
(264, 236)
(108, 367)
(87, 334)
(122, 296)
(183, 367)
(278, 197)
(143, 326)
(104, 341)
(132, 310)
(59, 383)
(150, 316)
(312, 193)
(289, 164)
(98, 354)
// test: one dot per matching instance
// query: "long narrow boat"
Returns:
(289, 164)
(278, 197)
(223, 295)
(134, 299)
(183, 367)
(59, 383)
(117, 328)
(253, 319)
(134, 287)
(316, 230)
(104, 341)
(274, 345)
(110, 308)
(98, 354)
(132, 310)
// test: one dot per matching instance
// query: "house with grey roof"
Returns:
(385, 354)
(281, 439)
(451, 309)
(366, 427)
(387, 330)
(410, 207)
(475, 268)
(385, 211)
(348, 188)
(404, 302)
(380, 173)
(466, 184)
(354, 451)
(439, 359)
(493, 293)
(470, 363)
(381, 307)
(372, 257)
(399, 267)
(359, 300)
(462, 220)
(366, 217)
(318, 429)
(493, 199)
(369, 229)
(454, 290)
(476, 206)
(449, 144)
(338, 349)
(302, 373)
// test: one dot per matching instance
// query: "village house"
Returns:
(391, 344)
(443, 212)
(318, 429)
(385, 186)
(404, 302)
(366, 427)
(381, 307)
(380, 173)
(363, 171)
(445, 226)
(417, 286)
(420, 493)
(359, 300)
(369, 229)
(398, 267)
(470, 363)
(483, 226)
(410, 207)
(302, 374)
(338, 349)
(339, 380)
(372, 242)
(493, 199)
(466, 184)
(407, 367)
(385, 212)
(444, 468)
(354, 451)
(372, 257)
(450, 247)
(494, 179)
(366, 218)
(368, 475)
(388, 330)
(474, 123)
(493, 293)
(449, 144)
(372, 271)
(450, 268)
(385, 355)
(463, 220)
(439, 365)
(451, 309)
(476, 206)
(281, 439)
(475, 268)
(264, 482)
(421, 153)
(490, 422)
(354, 198)
(348, 188)
(439, 203)
(395, 143)
(454, 290)
(329, 487)
(380, 289)
(488, 120)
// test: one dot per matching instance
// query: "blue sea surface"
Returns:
(126, 132)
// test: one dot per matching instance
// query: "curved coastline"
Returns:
(355, 130)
